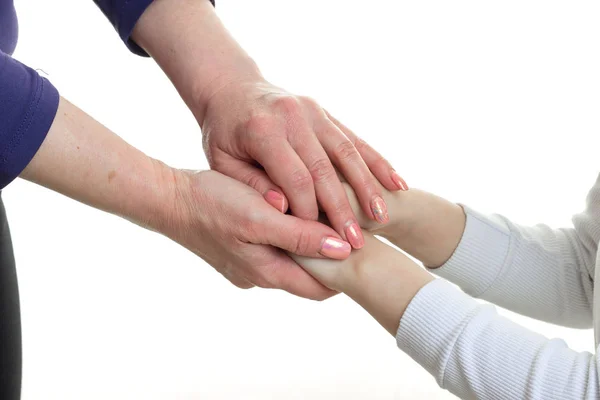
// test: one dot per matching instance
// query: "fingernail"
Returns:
(399, 181)
(379, 210)
(355, 236)
(335, 248)
(276, 199)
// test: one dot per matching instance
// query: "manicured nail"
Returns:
(355, 236)
(399, 181)
(276, 199)
(379, 210)
(335, 248)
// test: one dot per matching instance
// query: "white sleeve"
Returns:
(536, 271)
(477, 354)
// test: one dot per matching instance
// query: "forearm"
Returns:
(384, 281)
(424, 225)
(463, 344)
(535, 271)
(466, 346)
(84, 160)
(189, 42)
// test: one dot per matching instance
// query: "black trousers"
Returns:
(10, 317)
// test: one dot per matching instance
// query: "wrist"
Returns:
(224, 84)
(406, 216)
(194, 49)
(85, 161)
(165, 206)
(425, 226)
(365, 267)
(158, 204)
(384, 283)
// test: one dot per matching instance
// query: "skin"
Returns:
(378, 277)
(422, 224)
(224, 221)
(270, 150)
(260, 134)
(382, 280)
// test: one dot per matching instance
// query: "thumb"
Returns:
(257, 179)
(304, 237)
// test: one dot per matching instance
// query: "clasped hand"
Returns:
(282, 150)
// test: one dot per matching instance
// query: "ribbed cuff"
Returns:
(480, 255)
(475, 353)
(432, 323)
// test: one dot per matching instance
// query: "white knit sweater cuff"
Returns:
(432, 323)
(480, 255)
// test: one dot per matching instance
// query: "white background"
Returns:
(494, 104)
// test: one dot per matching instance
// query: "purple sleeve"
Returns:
(28, 105)
(124, 14)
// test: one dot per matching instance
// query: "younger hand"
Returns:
(339, 274)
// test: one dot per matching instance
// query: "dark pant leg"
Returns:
(10, 318)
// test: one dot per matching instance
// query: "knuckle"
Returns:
(360, 145)
(321, 169)
(302, 240)
(342, 210)
(365, 184)
(288, 104)
(251, 225)
(368, 189)
(346, 151)
(252, 179)
(301, 180)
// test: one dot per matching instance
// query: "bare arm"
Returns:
(221, 220)
(283, 145)
(82, 159)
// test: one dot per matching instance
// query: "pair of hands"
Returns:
(278, 150)
(274, 150)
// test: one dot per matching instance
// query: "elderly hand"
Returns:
(231, 227)
(225, 222)
(284, 146)
(280, 143)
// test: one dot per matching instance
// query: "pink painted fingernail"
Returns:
(276, 199)
(335, 248)
(355, 236)
(399, 181)
(379, 209)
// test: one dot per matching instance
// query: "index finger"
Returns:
(379, 166)
(287, 170)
